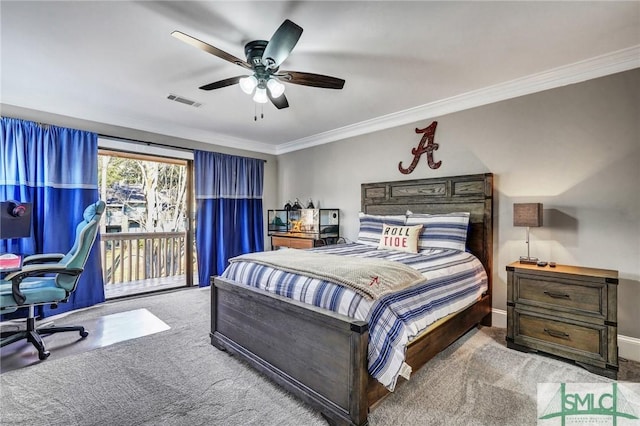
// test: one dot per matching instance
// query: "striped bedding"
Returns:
(453, 280)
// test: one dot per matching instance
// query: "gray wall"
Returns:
(576, 149)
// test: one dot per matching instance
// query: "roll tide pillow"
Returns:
(371, 227)
(401, 238)
(441, 231)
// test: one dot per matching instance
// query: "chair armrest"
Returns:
(42, 258)
(34, 271)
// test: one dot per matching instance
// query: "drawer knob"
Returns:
(558, 334)
(557, 295)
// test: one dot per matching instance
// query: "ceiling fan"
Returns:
(263, 60)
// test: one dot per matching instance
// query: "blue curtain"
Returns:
(229, 210)
(56, 169)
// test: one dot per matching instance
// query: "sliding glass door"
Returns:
(146, 238)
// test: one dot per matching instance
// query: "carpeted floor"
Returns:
(176, 377)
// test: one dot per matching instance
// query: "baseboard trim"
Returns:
(498, 318)
(628, 347)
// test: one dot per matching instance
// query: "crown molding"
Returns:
(599, 66)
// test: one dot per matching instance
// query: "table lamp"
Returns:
(527, 214)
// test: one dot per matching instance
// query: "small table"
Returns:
(10, 263)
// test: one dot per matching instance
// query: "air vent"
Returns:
(182, 100)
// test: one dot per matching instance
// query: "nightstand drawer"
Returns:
(561, 335)
(572, 295)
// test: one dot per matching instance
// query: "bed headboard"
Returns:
(469, 193)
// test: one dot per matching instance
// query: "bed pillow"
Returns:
(401, 238)
(441, 231)
(371, 227)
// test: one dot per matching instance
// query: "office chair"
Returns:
(48, 279)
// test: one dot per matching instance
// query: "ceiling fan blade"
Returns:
(280, 102)
(310, 79)
(210, 49)
(222, 83)
(281, 44)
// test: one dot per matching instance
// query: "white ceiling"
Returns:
(115, 62)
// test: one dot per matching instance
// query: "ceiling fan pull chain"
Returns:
(262, 111)
(255, 112)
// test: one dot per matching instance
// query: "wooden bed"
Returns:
(321, 356)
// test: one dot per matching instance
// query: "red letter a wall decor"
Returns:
(426, 145)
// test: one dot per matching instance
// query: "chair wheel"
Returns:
(43, 355)
(84, 333)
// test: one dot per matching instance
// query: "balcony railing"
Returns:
(139, 256)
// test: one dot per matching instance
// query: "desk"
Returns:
(10, 263)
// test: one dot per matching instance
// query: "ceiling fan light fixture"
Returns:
(275, 87)
(247, 84)
(261, 95)
(263, 60)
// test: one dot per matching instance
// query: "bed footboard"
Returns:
(318, 355)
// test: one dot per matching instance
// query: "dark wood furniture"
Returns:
(321, 356)
(567, 311)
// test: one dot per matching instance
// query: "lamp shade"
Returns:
(275, 87)
(247, 84)
(261, 95)
(527, 214)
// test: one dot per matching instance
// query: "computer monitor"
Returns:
(15, 219)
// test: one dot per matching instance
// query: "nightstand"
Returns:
(567, 311)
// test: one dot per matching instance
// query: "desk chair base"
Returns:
(33, 334)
